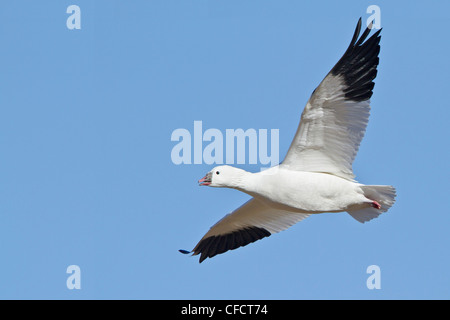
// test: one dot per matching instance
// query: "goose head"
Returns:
(223, 177)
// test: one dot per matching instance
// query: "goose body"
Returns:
(316, 175)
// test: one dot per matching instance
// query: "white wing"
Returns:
(252, 221)
(334, 120)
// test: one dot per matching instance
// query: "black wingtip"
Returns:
(184, 251)
(214, 245)
(358, 65)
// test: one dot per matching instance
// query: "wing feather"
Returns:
(335, 118)
(251, 222)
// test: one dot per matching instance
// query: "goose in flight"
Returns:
(316, 175)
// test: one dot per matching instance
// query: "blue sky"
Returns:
(87, 179)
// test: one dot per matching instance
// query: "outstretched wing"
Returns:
(252, 221)
(334, 120)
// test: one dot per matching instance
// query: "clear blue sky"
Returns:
(86, 176)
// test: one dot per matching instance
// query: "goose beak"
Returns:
(206, 180)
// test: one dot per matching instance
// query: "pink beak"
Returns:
(206, 180)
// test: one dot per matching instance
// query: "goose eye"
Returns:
(217, 172)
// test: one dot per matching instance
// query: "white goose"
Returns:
(316, 176)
